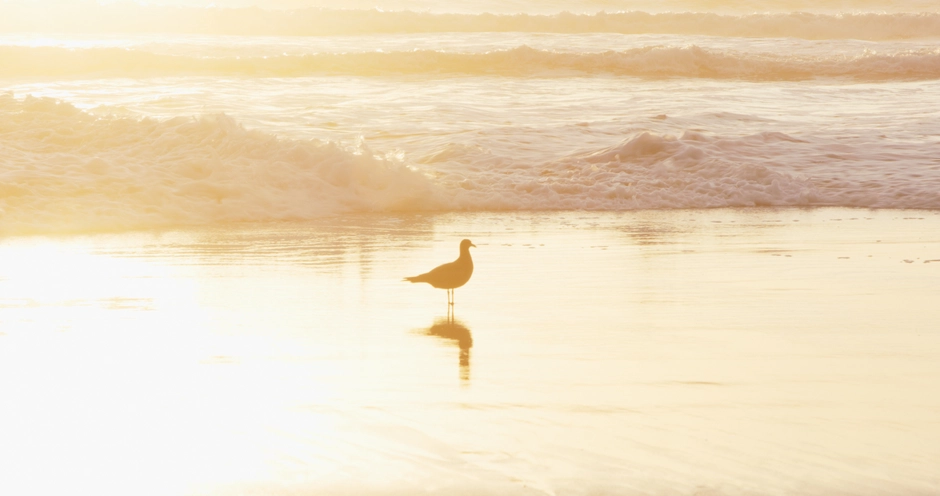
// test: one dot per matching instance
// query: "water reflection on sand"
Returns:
(767, 351)
(454, 332)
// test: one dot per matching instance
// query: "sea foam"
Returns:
(63, 169)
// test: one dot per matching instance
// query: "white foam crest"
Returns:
(655, 61)
(62, 169)
(695, 170)
(647, 171)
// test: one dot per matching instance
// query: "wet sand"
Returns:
(777, 351)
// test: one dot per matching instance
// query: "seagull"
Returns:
(450, 275)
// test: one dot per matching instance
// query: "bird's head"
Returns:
(466, 244)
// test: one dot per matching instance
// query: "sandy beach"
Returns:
(705, 240)
(727, 351)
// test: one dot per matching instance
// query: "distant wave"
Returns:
(319, 22)
(63, 169)
(647, 62)
(540, 6)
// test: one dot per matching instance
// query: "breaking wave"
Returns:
(660, 61)
(696, 170)
(62, 169)
(319, 22)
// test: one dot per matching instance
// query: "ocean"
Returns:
(185, 115)
(706, 263)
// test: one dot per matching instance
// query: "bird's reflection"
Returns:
(456, 333)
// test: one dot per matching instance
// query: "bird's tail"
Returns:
(414, 278)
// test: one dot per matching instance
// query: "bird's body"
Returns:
(450, 275)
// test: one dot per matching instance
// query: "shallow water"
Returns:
(671, 296)
(658, 352)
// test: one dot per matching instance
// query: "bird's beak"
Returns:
(473, 245)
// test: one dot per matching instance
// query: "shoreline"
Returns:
(364, 217)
